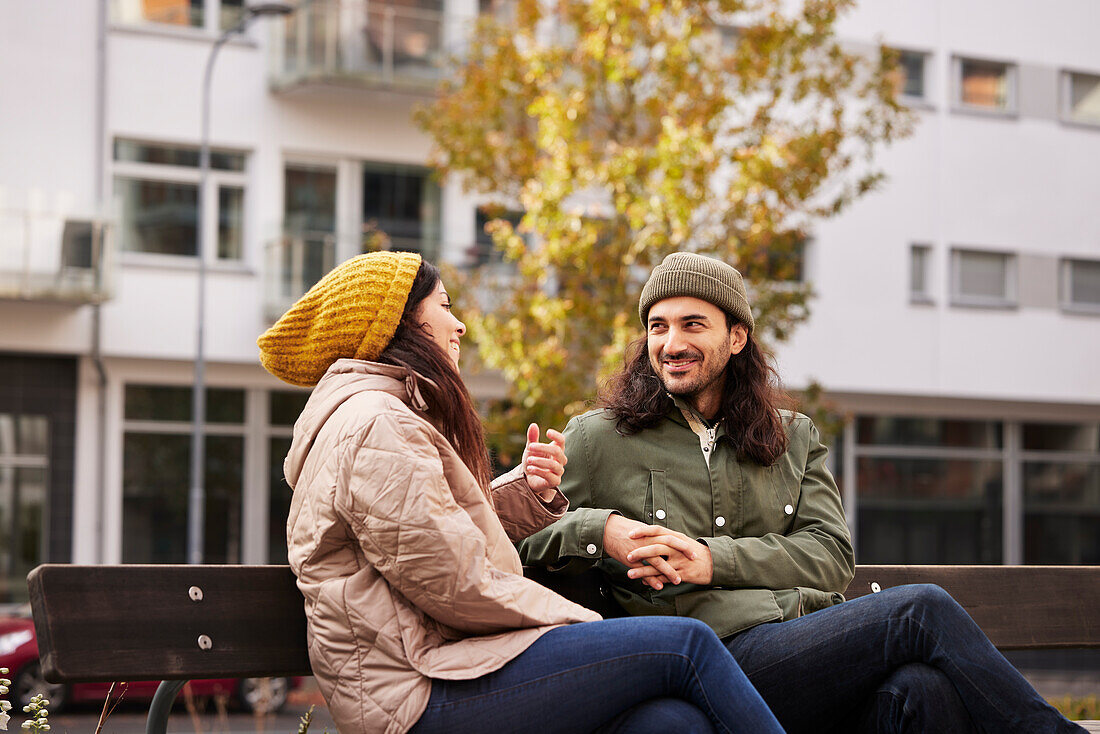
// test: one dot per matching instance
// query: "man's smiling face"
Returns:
(689, 346)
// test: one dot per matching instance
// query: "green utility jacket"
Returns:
(777, 534)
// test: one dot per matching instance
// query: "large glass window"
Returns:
(23, 507)
(284, 409)
(308, 249)
(156, 471)
(157, 187)
(401, 208)
(928, 490)
(1061, 491)
(925, 510)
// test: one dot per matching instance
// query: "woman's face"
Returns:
(435, 317)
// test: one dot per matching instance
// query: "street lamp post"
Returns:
(196, 505)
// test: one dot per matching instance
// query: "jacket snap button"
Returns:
(788, 509)
(719, 521)
(591, 549)
(660, 514)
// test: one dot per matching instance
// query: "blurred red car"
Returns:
(19, 654)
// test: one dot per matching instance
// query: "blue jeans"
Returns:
(908, 659)
(620, 675)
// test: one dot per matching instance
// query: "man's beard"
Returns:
(702, 380)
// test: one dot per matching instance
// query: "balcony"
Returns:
(52, 258)
(295, 261)
(382, 45)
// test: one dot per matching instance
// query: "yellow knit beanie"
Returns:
(351, 312)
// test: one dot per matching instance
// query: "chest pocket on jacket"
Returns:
(655, 510)
(771, 498)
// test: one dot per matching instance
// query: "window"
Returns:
(484, 250)
(308, 248)
(1081, 97)
(213, 15)
(284, 408)
(910, 81)
(156, 469)
(985, 85)
(400, 209)
(1061, 478)
(1081, 284)
(980, 278)
(158, 190)
(783, 261)
(928, 490)
(24, 462)
(920, 274)
(945, 433)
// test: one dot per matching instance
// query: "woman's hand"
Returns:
(544, 463)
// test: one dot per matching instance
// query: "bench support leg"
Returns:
(157, 723)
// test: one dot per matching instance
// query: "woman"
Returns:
(419, 615)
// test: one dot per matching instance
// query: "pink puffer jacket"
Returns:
(407, 570)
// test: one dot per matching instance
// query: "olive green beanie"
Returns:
(351, 312)
(697, 276)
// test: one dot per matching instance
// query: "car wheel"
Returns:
(263, 695)
(28, 683)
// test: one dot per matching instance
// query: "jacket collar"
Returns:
(400, 382)
(344, 379)
(681, 410)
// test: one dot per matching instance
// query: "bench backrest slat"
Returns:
(1018, 607)
(138, 622)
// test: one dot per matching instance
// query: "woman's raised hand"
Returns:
(544, 463)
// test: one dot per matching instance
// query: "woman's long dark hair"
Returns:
(751, 399)
(449, 403)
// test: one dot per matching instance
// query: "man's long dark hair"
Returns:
(449, 403)
(751, 399)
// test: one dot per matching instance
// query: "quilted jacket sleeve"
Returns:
(409, 526)
(520, 510)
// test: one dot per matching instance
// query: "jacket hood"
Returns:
(344, 379)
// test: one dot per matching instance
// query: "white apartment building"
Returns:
(957, 317)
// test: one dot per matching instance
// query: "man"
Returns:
(696, 495)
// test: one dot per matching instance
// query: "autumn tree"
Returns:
(628, 129)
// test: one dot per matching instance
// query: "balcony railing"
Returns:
(295, 261)
(48, 257)
(364, 43)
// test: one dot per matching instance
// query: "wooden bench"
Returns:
(178, 622)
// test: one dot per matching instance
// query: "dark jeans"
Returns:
(908, 659)
(635, 675)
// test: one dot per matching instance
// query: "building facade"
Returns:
(957, 316)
